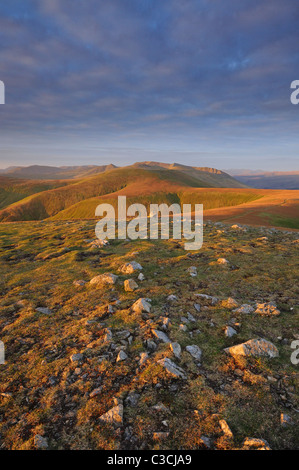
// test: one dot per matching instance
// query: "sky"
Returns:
(198, 82)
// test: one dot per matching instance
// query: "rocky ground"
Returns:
(142, 345)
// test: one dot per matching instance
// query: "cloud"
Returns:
(166, 71)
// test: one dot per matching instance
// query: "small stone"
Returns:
(192, 270)
(44, 310)
(226, 429)
(229, 303)
(122, 356)
(141, 277)
(207, 442)
(104, 279)
(79, 283)
(161, 336)
(285, 420)
(130, 285)
(191, 317)
(195, 351)
(76, 357)
(229, 331)
(114, 416)
(245, 308)
(172, 369)
(132, 399)
(130, 268)
(197, 307)
(143, 358)
(183, 327)
(222, 261)
(255, 348)
(210, 298)
(253, 443)
(172, 298)
(95, 392)
(161, 408)
(176, 349)
(141, 305)
(267, 309)
(40, 442)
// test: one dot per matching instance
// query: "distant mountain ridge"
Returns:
(77, 197)
(267, 179)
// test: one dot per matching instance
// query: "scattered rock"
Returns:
(210, 298)
(40, 442)
(161, 408)
(95, 392)
(245, 308)
(285, 420)
(183, 327)
(172, 369)
(176, 349)
(132, 399)
(269, 309)
(114, 416)
(255, 348)
(44, 310)
(195, 351)
(222, 261)
(229, 303)
(122, 356)
(76, 357)
(143, 358)
(103, 279)
(161, 336)
(172, 298)
(141, 305)
(229, 331)
(197, 307)
(192, 271)
(253, 443)
(130, 285)
(141, 277)
(130, 268)
(226, 429)
(79, 283)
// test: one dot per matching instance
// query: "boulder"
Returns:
(255, 348)
(104, 279)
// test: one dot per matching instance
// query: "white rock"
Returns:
(121, 356)
(255, 348)
(114, 416)
(176, 349)
(141, 277)
(141, 305)
(229, 331)
(103, 279)
(130, 268)
(245, 308)
(172, 369)
(161, 336)
(195, 351)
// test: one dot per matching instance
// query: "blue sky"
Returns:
(201, 82)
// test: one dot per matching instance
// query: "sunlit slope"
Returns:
(131, 180)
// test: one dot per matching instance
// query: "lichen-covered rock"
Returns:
(141, 305)
(255, 348)
(161, 336)
(229, 303)
(253, 443)
(268, 309)
(195, 351)
(245, 308)
(103, 279)
(130, 285)
(40, 442)
(130, 268)
(114, 416)
(172, 369)
(229, 331)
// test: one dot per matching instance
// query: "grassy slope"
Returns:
(44, 393)
(13, 190)
(136, 181)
